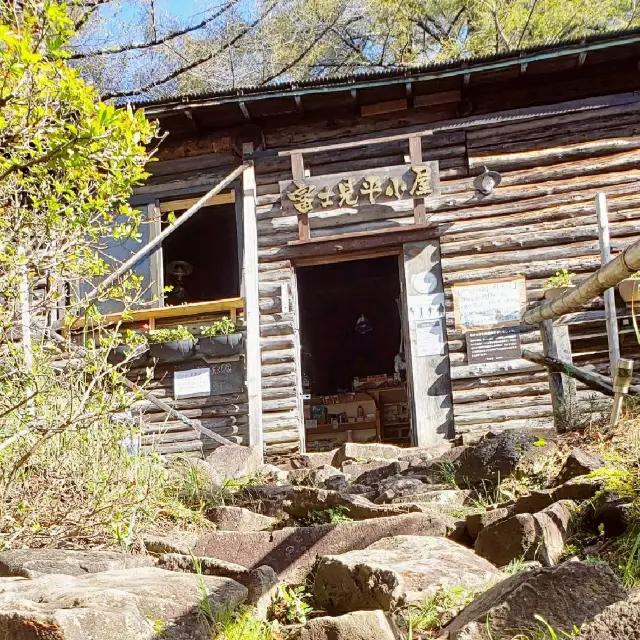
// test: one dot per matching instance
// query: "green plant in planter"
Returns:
(133, 339)
(157, 336)
(563, 278)
(224, 327)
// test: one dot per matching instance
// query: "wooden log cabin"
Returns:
(385, 235)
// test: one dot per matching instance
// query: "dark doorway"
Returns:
(200, 259)
(349, 321)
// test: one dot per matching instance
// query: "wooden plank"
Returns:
(611, 318)
(252, 303)
(415, 154)
(178, 311)
(157, 267)
(556, 344)
(390, 106)
(431, 99)
(297, 171)
(356, 242)
(428, 368)
(179, 205)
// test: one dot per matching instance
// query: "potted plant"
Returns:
(220, 339)
(171, 345)
(556, 285)
(133, 347)
(629, 288)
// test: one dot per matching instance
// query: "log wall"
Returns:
(226, 415)
(540, 219)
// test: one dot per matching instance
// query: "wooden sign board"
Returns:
(360, 188)
(487, 304)
(493, 345)
(227, 377)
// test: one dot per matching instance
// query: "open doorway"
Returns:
(353, 373)
(200, 260)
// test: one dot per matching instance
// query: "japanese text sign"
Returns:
(358, 188)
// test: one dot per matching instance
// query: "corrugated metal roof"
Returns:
(461, 65)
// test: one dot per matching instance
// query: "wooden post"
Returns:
(252, 305)
(297, 170)
(621, 384)
(609, 294)
(556, 344)
(415, 154)
(428, 369)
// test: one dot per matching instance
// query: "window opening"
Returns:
(200, 259)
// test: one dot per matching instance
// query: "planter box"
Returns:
(630, 290)
(221, 345)
(555, 292)
(173, 351)
(122, 352)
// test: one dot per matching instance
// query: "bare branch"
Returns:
(155, 41)
(192, 65)
(306, 51)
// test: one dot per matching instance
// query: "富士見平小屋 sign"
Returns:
(357, 188)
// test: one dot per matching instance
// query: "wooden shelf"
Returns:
(345, 426)
(178, 311)
(395, 424)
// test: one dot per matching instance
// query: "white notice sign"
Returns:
(191, 383)
(425, 307)
(429, 338)
(490, 303)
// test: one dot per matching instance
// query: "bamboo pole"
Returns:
(611, 317)
(607, 276)
(159, 239)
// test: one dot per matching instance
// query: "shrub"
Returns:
(222, 327)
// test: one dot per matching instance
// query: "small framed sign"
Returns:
(192, 383)
(486, 304)
(493, 345)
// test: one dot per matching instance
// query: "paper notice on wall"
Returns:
(488, 304)
(425, 307)
(191, 383)
(429, 338)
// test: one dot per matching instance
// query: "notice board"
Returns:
(493, 345)
(486, 304)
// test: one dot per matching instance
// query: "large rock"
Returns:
(567, 595)
(265, 499)
(374, 471)
(476, 522)
(397, 570)
(292, 552)
(143, 603)
(233, 461)
(363, 452)
(578, 463)
(619, 621)
(259, 581)
(312, 460)
(31, 563)
(539, 536)
(359, 625)
(239, 519)
(302, 501)
(578, 489)
(512, 452)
